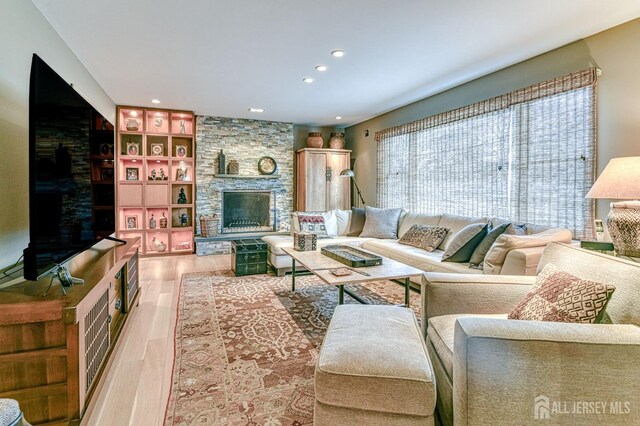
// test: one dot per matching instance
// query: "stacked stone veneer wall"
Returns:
(245, 141)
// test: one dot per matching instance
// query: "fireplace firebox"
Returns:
(248, 211)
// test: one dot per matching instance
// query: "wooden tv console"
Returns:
(53, 349)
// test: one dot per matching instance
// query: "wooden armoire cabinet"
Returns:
(320, 186)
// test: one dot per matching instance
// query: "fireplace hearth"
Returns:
(248, 211)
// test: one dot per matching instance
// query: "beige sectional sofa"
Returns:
(511, 254)
(492, 370)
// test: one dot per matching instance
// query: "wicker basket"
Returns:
(208, 225)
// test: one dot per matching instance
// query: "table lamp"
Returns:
(620, 180)
(350, 174)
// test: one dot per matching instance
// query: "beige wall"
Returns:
(615, 51)
(24, 31)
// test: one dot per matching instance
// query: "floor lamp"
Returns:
(350, 174)
(620, 180)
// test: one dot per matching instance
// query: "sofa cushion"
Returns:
(455, 224)
(463, 244)
(381, 223)
(416, 257)
(373, 358)
(498, 252)
(343, 219)
(278, 242)
(561, 297)
(477, 258)
(410, 219)
(426, 237)
(357, 222)
(440, 334)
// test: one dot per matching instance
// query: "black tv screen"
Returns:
(71, 199)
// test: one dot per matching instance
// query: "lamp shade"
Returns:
(347, 172)
(620, 180)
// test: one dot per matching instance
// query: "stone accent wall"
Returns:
(245, 141)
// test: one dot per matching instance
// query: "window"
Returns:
(528, 155)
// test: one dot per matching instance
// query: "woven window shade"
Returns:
(528, 156)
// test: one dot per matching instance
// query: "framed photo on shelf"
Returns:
(181, 151)
(157, 149)
(106, 173)
(181, 173)
(133, 148)
(131, 221)
(132, 173)
(106, 149)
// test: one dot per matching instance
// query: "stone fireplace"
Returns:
(248, 211)
(245, 141)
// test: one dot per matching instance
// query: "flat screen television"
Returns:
(71, 187)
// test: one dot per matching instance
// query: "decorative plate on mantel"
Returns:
(267, 166)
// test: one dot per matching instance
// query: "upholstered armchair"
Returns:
(492, 370)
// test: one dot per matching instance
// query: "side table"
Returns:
(248, 257)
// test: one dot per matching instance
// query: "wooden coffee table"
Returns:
(319, 264)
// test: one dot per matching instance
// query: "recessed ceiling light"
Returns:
(308, 80)
(337, 53)
(155, 101)
(133, 114)
(338, 118)
(321, 68)
(158, 114)
(256, 110)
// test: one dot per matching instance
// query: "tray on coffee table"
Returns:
(351, 256)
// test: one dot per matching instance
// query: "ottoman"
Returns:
(373, 369)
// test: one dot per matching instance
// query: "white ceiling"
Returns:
(221, 57)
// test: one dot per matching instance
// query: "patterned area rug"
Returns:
(246, 347)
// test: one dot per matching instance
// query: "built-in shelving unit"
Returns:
(102, 167)
(155, 178)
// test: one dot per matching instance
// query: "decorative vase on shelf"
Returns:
(221, 163)
(161, 247)
(315, 140)
(153, 245)
(152, 222)
(337, 140)
(234, 167)
(163, 221)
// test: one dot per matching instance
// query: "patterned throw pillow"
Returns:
(313, 223)
(561, 297)
(426, 237)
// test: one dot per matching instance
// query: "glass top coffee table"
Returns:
(320, 265)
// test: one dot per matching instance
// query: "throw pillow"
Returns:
(426, 237)
(465, 242)
(313, 223)
(561, 297)
(331, 222)
(381, 223)
(357, 222)
(343, 217)
(477, 258)
(517, 229)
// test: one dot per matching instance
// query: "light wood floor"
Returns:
(135, 389)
